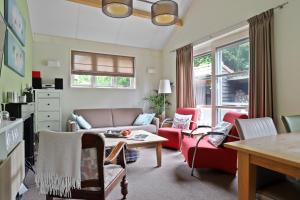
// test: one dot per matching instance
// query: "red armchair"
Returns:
(209, 156)
(174, 134)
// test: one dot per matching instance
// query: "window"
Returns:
(94, 70)
(221, 75)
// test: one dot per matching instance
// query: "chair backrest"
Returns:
(189, 111)
(231, 117)
(291, 123)
(254, 128)
(93, 159)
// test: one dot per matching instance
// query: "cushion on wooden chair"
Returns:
(89, 169)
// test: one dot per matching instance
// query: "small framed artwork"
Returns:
(14, 56)
(15, 20)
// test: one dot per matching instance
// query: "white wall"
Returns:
(206, 17)
(57, 48)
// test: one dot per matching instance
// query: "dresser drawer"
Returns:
(48, 105)
(12, 173)
(48, 125)
(48, 116)
(42, 95)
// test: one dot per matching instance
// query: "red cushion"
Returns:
(173, 135)
(189, 111)
(231, 117)
(209, 156)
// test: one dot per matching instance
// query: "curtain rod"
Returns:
(228, 29)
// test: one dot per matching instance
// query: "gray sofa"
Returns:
(113, 119)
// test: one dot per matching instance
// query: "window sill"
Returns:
(112, 88)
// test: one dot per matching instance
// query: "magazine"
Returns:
(138, 137)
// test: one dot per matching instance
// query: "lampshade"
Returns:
(164, 12)
(117, 8)
(164, 87)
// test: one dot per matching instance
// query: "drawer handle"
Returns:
(48, 104)
(48, 94)
(48, 116)
(48, 126)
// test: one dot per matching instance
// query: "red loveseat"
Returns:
(174, 134)
(209, 156)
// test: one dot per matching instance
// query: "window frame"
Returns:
(93, 84)
(211, 47)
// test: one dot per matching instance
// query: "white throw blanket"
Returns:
(58, 164)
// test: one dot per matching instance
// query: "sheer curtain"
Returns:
(261, 36)
(184, 77)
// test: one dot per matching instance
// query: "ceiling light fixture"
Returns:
(164, 12)
(117, 8)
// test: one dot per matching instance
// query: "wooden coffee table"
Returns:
(152, 140)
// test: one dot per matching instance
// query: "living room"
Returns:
(84, 68)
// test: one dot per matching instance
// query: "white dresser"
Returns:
(48, 110)
(12, 159)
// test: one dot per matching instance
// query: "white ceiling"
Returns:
(67, 19)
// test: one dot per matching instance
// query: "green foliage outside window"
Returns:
(82, 79)
(104, 81)
(236, 57)
(123, 81)
(202, 60)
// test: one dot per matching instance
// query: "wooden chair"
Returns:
(106, 173)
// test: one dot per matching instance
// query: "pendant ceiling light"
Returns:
(117, 8)
(164, 13)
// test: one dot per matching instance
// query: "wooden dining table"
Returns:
(280, 153)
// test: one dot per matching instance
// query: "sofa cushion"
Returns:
(83, 123)
(144, 119)
(150, 128)
(125, 116)
(98, 118)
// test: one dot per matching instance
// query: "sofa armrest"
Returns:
(71, 126)
(155, 121)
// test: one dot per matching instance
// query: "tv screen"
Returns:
(3, 28)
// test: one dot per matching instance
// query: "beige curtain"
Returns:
(184, 77)
(261, 30)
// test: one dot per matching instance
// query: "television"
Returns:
(3, 28)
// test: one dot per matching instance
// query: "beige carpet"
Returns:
(171, 181)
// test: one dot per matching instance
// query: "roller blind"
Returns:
(96, 64)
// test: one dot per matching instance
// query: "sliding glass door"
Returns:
(221, 75)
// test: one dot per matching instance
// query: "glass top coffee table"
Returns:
(152, 140)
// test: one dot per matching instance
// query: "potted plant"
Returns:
(157, 102)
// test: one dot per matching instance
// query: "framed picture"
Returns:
(15, 20)
(3, 29)
(14, 56)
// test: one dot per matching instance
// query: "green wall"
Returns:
(9, 80)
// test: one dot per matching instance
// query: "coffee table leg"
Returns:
(158, 154)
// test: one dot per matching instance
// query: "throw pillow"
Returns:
(144, 119)
(181, 121)
(83, 123)
(74, 119)
(218, 140)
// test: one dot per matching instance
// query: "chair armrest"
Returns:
(214, 133)
(203, 126)
(155, 121)
(117, 151)
(169, 120)
(71, 126)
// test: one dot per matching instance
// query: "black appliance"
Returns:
(36, 83)
(59, 85)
